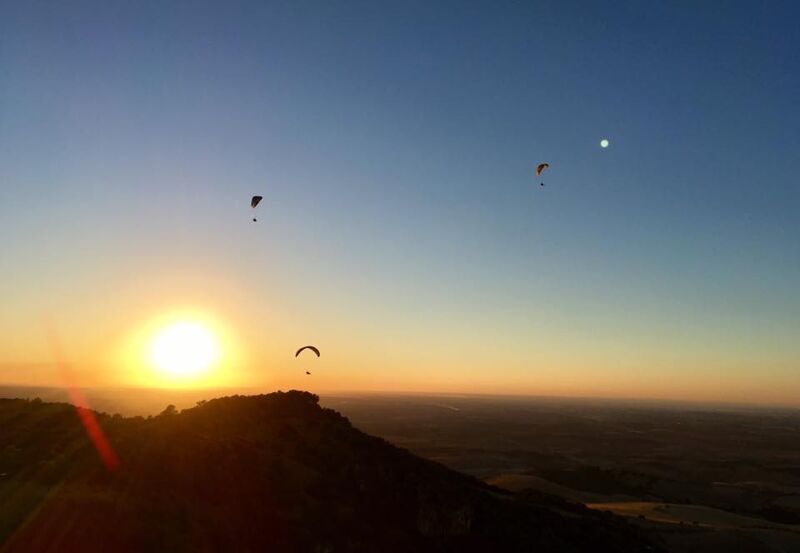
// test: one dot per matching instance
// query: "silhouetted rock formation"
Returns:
(261, 473)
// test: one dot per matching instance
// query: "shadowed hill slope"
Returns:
(272, 472)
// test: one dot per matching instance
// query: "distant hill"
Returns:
(261, 473)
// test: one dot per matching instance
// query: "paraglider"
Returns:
(312, 348)
(540, 169)
(254, 202)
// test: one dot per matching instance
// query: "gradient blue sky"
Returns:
(402, 228)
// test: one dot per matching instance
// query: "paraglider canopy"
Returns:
(254, 202)
(540, 169)
(312, 348)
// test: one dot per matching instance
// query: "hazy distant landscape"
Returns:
(703, 476)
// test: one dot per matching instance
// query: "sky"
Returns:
(403, 230)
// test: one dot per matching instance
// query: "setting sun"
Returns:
(186, 347)
(184, 350)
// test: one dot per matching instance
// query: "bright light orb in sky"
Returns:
(604, 143)
(184, 349)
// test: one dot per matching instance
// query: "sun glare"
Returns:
(184, 350)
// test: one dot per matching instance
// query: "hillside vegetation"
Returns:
(255, 473)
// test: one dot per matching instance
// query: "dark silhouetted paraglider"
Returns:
(540, 169)
(254, 201)
(312, 348)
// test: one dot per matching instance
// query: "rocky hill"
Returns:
(261, 473)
